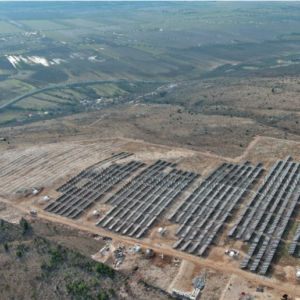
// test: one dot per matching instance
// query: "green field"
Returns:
(61, 36)
(148, 50)
(108, 89)
(43, 25)
(53, 98)
(17, 86)
(82, 23)
(33, 104)
(7, 28)
(7, 117)
(139, 41)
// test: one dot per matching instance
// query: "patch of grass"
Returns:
(43, 25)
(7, 28)
(147, 49)
(250, 68)
(61, 37)
(55, 98)
(34, 295)
(18, 87)
(33, 104)
(82, 23)
(15, 52)
(108, 89)
(5, 118)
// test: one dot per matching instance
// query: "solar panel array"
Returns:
(203, 213)
(267, 213)
(144, 199)
(90, 185)
(295, 241)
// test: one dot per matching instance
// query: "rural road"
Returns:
(67, 85)
(167, 250)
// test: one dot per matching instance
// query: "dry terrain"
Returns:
(219, 115)
(151, 125)
(224, 279)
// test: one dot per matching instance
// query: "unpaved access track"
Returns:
(205, 263)
(257, 145)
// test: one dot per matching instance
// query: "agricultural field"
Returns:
(7, 28)
(77, 98)
(161, 138)
(138, 42)
(42, 25)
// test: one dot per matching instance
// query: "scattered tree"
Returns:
(5, 245)
(24, 224)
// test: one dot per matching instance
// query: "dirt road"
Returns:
(166, 250)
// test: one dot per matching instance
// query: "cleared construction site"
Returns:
(184, 201)
(47, 164)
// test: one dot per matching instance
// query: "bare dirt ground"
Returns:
(209, 264)
(251, 122)
(237, 285)
(40, 276)
(219, 267)
(219, 115)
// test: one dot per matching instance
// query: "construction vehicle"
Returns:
(33, 212)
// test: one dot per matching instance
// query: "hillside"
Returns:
(37, 267)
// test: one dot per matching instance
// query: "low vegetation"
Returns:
(60, 272)
(73, 273)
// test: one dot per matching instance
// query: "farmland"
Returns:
(161, 138)
(147, 42)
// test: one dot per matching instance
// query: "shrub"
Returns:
(78, 288)
(102, 295)
(34, 295)
(57, 255)
(89, 267)
(95, 281)
(112, 292)
(24, 224)
(79, 255)
(163, 93)
(5, 245)
(104, 270)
